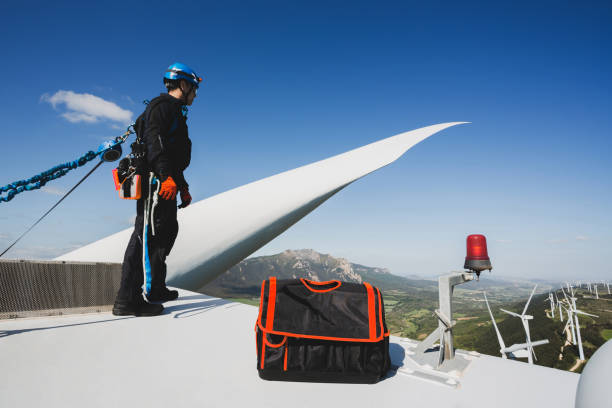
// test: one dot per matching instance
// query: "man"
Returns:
(168, 153)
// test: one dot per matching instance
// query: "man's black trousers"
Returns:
(144, 263)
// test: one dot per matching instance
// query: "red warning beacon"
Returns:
(477, 258)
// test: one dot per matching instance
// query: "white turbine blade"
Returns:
(515, 347)
(585, 313)
(534, 344)
(521, 353)
(566, 325)
(526, 327)
(564, 295)
(499, 337)
(529, 300)
(220, 231)
(511, 313)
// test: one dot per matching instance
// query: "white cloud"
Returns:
(87, 107)
(582, 238)
(51, 190)
(75, 117)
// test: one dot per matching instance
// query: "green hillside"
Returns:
(410, 303)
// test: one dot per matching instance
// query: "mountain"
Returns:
(409, 304)
(245, 278)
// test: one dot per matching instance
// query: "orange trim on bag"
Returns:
(264, 343)
(271, 304)
(263, 334)
(380, 313)
(274, 345)
(261, 302)
(371, 310)
(263, 349)
(380, 309)
(309, 336)
(304, 282)
(285, 359)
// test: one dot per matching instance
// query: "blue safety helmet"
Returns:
(178, 71)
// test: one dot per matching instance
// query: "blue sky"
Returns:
(290, 83)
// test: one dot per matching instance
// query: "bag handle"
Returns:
(315, 286)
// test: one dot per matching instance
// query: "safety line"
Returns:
(51, 209)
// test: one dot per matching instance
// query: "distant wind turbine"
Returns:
(552, 304)
(570, 318)
(513, 350)
(574, 313)
(569, 324)
(525, 320)
(560, 310)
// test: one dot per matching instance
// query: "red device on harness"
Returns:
(130, 188)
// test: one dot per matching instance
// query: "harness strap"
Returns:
(155, 201)
(146, 262)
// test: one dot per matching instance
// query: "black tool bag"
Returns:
(321, 332)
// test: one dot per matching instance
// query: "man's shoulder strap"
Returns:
(153, 104)
(144, 117)
(141, 121)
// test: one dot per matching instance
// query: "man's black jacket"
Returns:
(167, 140)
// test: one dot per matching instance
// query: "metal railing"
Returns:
(47, 288)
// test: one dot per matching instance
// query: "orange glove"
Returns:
(168, 189)
(185, 198)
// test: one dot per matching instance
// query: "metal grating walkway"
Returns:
(46, 288)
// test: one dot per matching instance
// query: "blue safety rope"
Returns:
(38, 181)
(108, 151)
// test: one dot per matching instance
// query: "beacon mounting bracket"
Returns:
(442, 363)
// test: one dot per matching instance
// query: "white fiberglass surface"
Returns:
(201, 352)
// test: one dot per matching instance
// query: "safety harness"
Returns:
(109, 151)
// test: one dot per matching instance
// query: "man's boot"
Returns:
(137, 308)
(162, 294)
